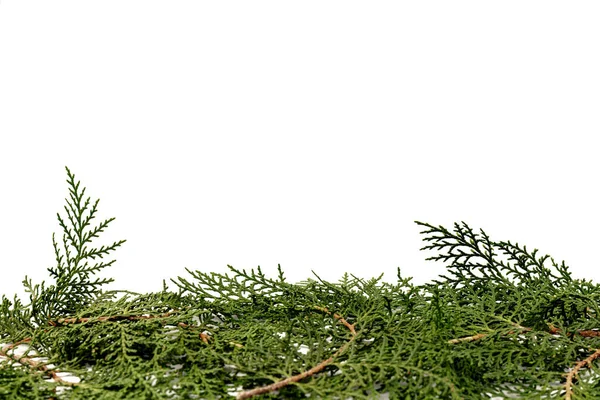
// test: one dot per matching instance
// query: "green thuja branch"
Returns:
(501, 322)
(75, 286)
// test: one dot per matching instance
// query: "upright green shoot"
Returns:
(75, 284)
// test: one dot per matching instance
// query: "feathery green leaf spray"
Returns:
(501, 322)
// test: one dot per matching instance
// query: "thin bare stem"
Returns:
(278, 385)
(571, 375)
(30, 362)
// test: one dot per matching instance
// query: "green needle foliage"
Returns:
(502, 322)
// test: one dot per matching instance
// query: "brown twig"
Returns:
(338, 317)
(551, 329)
(29, 361)
(8, 347)
(482, 335)
(66, 321)
(584, 332)
(468, 338)
(573, 372)
(278, 385)
(555, 331)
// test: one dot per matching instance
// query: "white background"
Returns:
(310, 134)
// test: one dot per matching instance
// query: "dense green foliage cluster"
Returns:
(501, 321)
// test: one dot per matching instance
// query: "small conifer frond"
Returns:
(472, 257)
(502, 322)
(75, 285)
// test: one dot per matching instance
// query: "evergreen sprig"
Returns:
(75, 283)
(501, 322)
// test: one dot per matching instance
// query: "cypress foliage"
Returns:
(502, 322)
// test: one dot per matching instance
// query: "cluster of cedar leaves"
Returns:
(502, 321)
